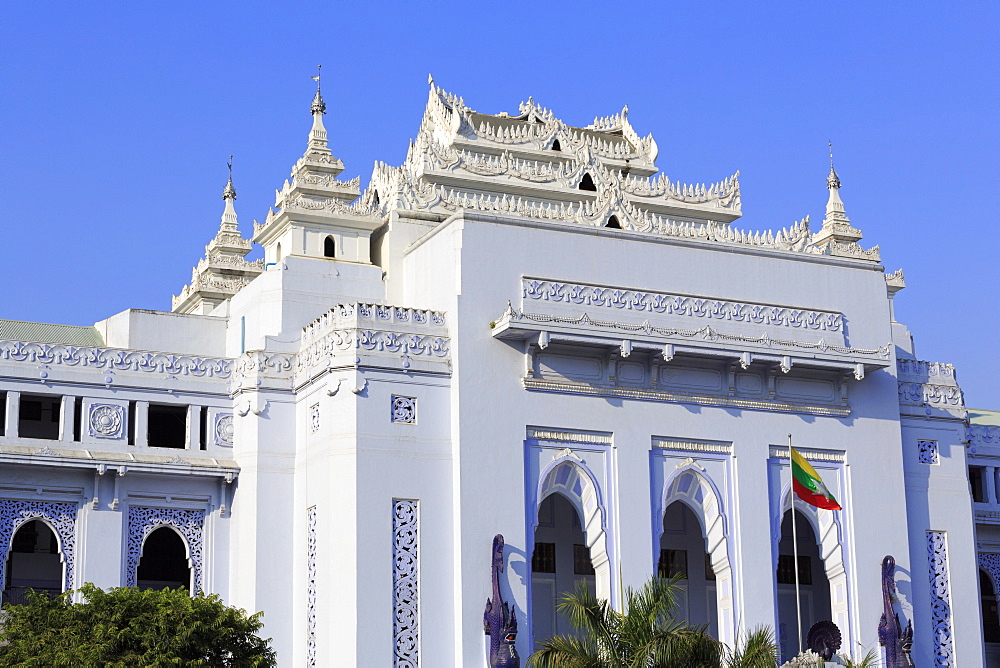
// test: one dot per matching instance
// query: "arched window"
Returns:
(813, 582)
(277, 253)
(587, 183)
(33, 563)
(164, 561)
(683, 553)
(329, 247)
(613, 223)
(375, 199)
(560, 561)
(556, 146)
(991, 620)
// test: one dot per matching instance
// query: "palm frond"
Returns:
(566, 652)
(756, 649)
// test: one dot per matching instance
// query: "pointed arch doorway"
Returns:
(569, 544)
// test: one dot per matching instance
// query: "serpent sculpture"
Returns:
(897, 642)
(499, 620)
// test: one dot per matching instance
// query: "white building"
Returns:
(523, 330)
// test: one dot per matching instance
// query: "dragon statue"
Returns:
(499, 620)
(897, 642)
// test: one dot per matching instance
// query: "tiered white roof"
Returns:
(223, 271)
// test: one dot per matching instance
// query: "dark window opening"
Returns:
(991, 618)
(329, 248)
(77, 418)
(587, 183)
(709, 571)
(164, 561)
(543, 560)
(33, 563)
(976, 482)
(375, 199)
(582, 565)
(673, 563)
(39, 416)
(167, 426)
(131, 423)
(3, 412)
(203, 414)
(556, 146)
(786, 570)
(613, 223)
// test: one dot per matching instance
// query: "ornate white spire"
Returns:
(836, 225)
(223, 271)
(229, 223)
(317, 136)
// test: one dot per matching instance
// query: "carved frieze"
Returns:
(623, 299)
(114, 359)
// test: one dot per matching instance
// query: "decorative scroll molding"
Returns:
(922, 372)
(314, 418)
(981, 434)
(937, 565)
(348, 315)
(512, 316)
(143, 521)
(927, 452)
(403, 409)
(61, 517)
(114, 359)
(926, 394)
(671, 397)
(779, 452)
(311, 586)
(624, 299)
(405, 584)
(106, 421)
(687, 445)
(569, 436)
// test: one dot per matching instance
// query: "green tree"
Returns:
(131, 627)
(646, 635)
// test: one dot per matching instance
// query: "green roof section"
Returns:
(984, 417)
(72, 335)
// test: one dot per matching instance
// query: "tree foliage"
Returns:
(131, 627)
(646, 635)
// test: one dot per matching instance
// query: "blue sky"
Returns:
(116, 121)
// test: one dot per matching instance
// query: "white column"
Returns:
(11, 414)
(193, 428)
(990, 479)
(141, 423)
(67, 419)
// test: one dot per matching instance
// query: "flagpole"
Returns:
(795, 550)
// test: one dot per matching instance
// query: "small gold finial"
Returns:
(318, 105)
(832, 180)
(229, 192)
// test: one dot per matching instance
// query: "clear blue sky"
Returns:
(116, 120)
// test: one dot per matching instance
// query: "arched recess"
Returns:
(587, 183)
(164, 560)
(614, 223)
(989, 564)
(571, 478)
(826, 526)
(329, 247)
(691, 487)
(144, 521)
(60, 517)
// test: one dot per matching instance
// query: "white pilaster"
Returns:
(142, 423)
(11, 414)
(67, 418)
(193, 428)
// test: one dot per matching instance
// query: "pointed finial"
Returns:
(229, 192)
(832, 181)
(318, 105)
(430, 79)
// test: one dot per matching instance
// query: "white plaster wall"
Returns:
(179, 333)
(467, 269)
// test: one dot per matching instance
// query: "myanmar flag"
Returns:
(809, 486)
